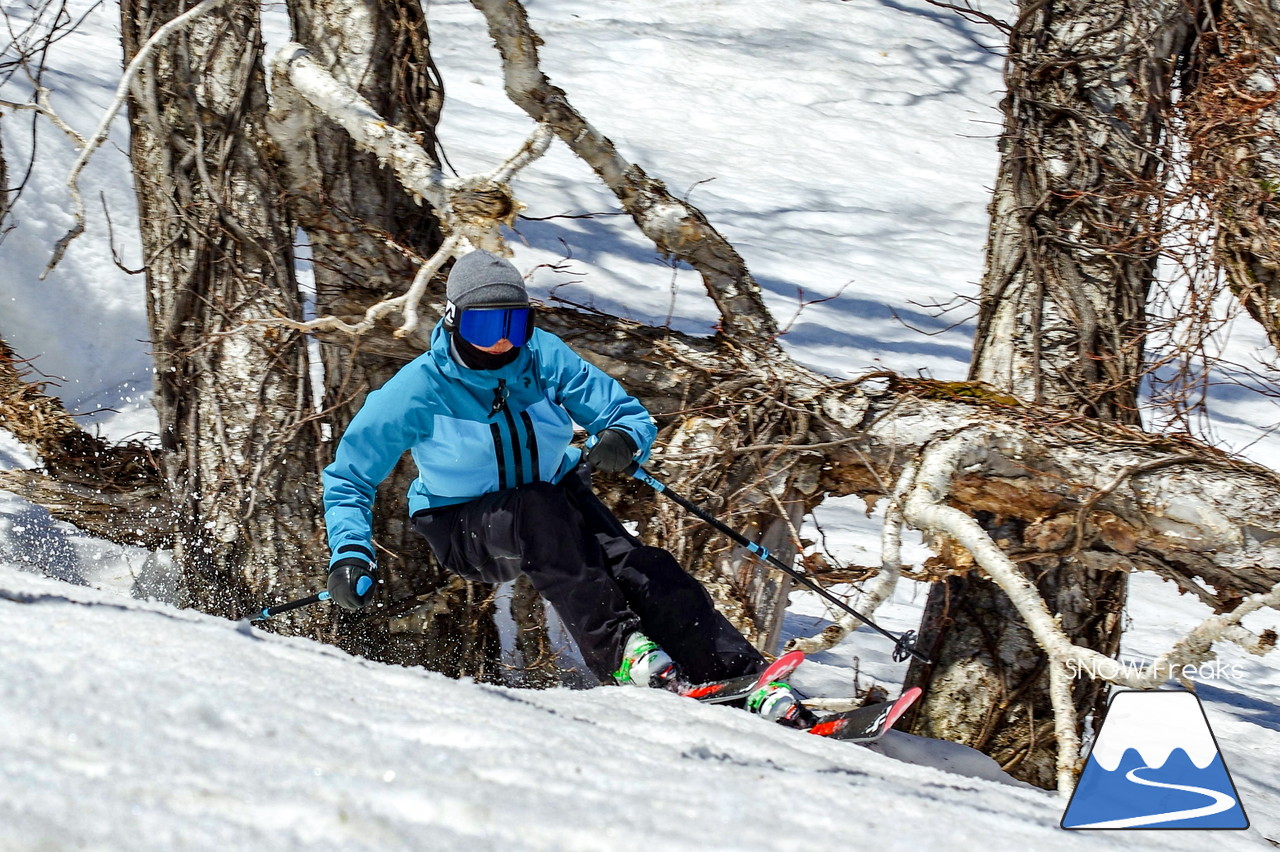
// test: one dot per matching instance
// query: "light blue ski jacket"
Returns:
(472, 431)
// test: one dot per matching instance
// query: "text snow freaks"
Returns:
(1114, 669)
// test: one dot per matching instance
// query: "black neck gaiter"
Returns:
(471, 357)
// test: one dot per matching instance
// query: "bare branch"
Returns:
(471, 208)
(407, 303)
(676, 228)
(104, 125)
(45, 108)
(926, 508)
(967, 11)
(343, 105)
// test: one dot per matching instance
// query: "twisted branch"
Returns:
(925, 508)
(104, 125)
(471, 209)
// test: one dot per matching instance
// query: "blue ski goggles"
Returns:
(486, 326)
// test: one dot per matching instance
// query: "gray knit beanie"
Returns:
(482, 278)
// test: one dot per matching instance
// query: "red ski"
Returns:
(866, 724)
(720, 691)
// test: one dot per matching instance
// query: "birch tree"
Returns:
(1074, 239)
(1232, 114)
(239, 439)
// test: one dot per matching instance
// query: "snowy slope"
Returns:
(135, 726)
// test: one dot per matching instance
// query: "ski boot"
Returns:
(645, 664)
(776, 701)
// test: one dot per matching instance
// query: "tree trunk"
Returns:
(365, 233)
(1232, 110)
(1070, 258)
(1074, 231)
(4, 187)
(238, 434)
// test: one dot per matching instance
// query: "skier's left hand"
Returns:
(613, 451)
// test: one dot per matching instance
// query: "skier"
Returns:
(488, 414)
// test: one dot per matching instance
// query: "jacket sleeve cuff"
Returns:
(348, 551)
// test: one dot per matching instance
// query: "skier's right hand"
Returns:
(351, 582)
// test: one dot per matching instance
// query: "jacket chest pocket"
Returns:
(459, 460)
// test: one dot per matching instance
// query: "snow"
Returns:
(131, 725)
(846, 149)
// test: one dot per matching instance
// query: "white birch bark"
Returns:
(1071, 255)
(238, 435)
(1233, 129)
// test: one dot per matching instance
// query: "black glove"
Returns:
(613, 451)
(351, 583)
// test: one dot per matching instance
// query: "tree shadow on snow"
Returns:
(988, 42)
(860, 323)
(1255, 711)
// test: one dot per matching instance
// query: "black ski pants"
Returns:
(602, 581)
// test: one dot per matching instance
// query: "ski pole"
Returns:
(268, 612)
(903, 646)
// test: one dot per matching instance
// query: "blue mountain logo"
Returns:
(1155, 764)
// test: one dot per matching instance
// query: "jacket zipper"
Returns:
(499, 398)
(516, 455)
